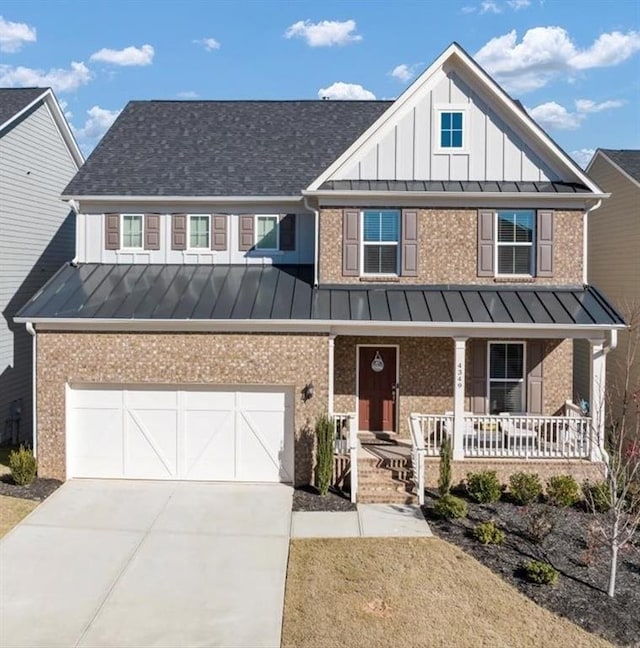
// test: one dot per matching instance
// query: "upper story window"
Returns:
(132, 232)
(199, 235)
(515, 242)
(451, 129)
(506, 377)
(267, 232)
(380, 242)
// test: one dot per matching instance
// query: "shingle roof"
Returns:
(628, 159)
(13, 100)
(228, 148)
(255, 292)
(454, 185)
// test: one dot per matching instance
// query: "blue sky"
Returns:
(574, 64)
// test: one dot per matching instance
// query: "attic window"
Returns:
(450, 126)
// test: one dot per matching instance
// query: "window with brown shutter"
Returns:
(179, 231)
(350, 243)
(486, 243)
(112, 231)
(246, 229)
(152, 231)
(544, 237)
(409, 249)
(288, 232)
(535, 353)
(219, 232)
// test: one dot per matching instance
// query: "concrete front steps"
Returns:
(385, 475)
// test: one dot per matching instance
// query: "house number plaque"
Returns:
(377, 364)
(459, 375)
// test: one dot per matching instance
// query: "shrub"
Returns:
(597, 496)
(446, 456)
(563, 491)
(23, 466)
(484, 486)
(324, 467)
(450, 507)
(525, 488)
(541, 573)
(540, 523)
(488, 533)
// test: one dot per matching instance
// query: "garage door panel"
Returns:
(209, 445)
(209, 400)
(96, 428)
(151, 439)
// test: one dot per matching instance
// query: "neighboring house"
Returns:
(38, 157)
(613, 261)
(414, 268)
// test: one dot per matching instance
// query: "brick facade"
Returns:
(448, 248)
(175, 359)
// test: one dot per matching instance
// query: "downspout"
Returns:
(75, 206)
(585, 239)
(305, 200)
(34, 398)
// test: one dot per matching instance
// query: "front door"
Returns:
(377, 389)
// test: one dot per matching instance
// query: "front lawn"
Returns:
(12, 510)
(410, 592)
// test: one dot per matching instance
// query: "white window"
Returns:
(132, 232)
(199, 232)
(450, 128)
(514, 242)
(267, 235)
(506, 377)
(380, 242)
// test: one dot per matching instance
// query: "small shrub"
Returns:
(488, 533)
(324, 467)
(563, 491)
(541, 573)
(540, 523)
(525, 488)
(446, 456)
(597, 496)
(23, 466)
(484, 486)
(451, 507)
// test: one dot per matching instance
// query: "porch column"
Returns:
(597, 397)
(332, 338)
(458, 397)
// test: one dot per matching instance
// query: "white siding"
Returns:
(36, 238)
(91, 248)
(403, 148)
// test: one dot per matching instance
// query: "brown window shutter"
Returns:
(288, 232)
(479, 376)
(350, 243)
(179, 231)
(486, 242)
(219, 232)
(152, 231)
(112, 231)
(246, 236)
(409, 251)
(535, 354)
(544, 236)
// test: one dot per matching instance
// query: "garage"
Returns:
(216, 434)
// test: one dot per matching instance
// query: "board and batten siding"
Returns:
(404, 148)
(37, 235)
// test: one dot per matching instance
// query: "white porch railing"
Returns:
(346, 442)
(433, 428)
(417, 455)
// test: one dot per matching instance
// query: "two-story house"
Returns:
(412, 267)
(38, 158)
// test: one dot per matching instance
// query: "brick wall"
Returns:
(448, 248)
(174, 359)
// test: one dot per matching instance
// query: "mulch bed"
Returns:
(307, 498)
(38, 490)
(573, 547)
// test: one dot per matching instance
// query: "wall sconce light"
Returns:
(307, 392)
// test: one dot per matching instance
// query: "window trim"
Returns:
(198, 249)
(437, 128)
(122, 245)
(255, 234)
(397, 243)
(532, 245)
(523, 380)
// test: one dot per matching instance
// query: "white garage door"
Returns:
(224, 434)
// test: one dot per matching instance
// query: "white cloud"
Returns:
(209, 44)
(546, 52)
(126, 57)
(404, 72)
(468, 9)
(340, 90)
(325, 33)
(97, 124)
(554, 116)
(187, 94)
(59, 79)
(589, 106)
(487, 6)
(516, 5)
(583, 156)
(64, 107)
(14, 35)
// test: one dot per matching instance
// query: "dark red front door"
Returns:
(376, 384)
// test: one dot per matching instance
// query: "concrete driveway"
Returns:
(123, 563)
